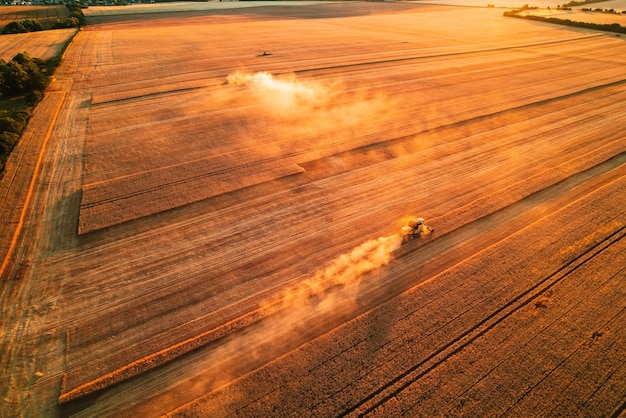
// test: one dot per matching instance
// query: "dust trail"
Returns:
(345, 271)
(299, 314)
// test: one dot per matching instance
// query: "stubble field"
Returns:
(44, 44)
(214, 230)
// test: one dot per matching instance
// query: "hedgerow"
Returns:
(608, 27)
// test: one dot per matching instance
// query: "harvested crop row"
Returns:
(201, 185)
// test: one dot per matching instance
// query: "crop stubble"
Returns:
(464, 126)
(43, 44)
(401, 357)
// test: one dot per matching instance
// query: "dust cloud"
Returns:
(294, 317)
(284, 97)
(315, 301)
(307, 107)
(344, 271)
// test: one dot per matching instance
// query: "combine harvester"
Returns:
(415, 228)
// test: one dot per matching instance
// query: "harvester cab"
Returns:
(415, 228)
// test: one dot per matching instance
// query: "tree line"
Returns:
(76, 19)
(608, 27)
(22, 82)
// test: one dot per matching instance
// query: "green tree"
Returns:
(32, 25)
(14, 27)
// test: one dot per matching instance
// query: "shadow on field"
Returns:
(381, 298)
(64, 225)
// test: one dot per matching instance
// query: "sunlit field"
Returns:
(216, 229)
(46, 15)
(175, 7)
(44, 44)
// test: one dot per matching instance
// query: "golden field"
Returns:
(211, 228)
(44, 44)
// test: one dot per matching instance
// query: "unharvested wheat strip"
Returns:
(601, 355)
(102, 214)
(565, 303)
(70, 392)
(519, 330)
(575, 327)
(124, 186)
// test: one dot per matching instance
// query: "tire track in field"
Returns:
(392, 388)
(618, 413)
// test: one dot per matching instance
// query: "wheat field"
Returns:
(215, 228)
